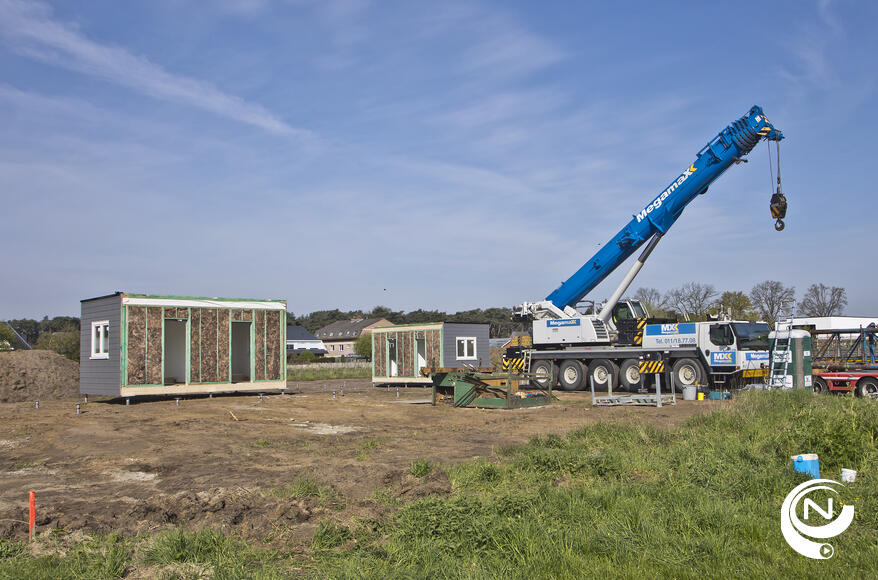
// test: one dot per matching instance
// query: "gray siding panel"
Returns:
(450, 333)
(101, 376)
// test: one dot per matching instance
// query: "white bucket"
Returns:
(848, 475)
(689, 393)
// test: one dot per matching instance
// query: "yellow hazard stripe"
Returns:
(638, 339)
(651, 367)
(641, 322)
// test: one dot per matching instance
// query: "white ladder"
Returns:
(781, 356)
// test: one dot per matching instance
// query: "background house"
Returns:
(339, 337)
(300, 340)
(400, 352)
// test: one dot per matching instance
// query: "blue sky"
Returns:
(450, 155)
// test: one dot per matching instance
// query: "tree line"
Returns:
(497, 318)
(59, 334)
(769, 301)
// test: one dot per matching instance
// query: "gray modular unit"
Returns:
(101, 376)
(453, 332)
(140, 344)
(400, 352)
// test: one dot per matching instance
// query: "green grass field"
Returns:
(607, 500)
(311, 374)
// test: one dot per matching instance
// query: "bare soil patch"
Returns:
(154, 465)
(37, 375)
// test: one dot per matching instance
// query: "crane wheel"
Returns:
(819, 386)
(630, 378)
(603, 372)
(867, 388)
(571, 375)
(544, 373)
(687, 372)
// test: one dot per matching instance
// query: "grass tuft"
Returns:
(420, 467)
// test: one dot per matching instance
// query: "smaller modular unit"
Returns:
(141, 344)
(399, 352)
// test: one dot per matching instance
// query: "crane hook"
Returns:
(778, 207)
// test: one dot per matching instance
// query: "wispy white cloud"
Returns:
(510, 50)
(30, 29)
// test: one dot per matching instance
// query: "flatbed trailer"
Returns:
(864, 382)
(844, 361)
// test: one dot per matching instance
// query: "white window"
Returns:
(466, 348)
(100, 339)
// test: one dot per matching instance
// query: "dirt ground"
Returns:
(31, 375)
(154, 464)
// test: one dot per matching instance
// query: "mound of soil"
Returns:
(32, 375)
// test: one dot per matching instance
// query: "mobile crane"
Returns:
(569, 346)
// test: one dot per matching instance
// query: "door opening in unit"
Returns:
(241, 352)
(421, 349)
(175, 352)
(392, 358)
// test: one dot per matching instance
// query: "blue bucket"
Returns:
(808, 464)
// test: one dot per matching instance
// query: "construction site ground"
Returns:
(229, 461)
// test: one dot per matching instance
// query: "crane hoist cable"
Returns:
(778, 203)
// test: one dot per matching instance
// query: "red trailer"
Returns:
(844, 360)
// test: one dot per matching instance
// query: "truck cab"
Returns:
(733, 352)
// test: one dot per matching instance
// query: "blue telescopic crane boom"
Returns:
(732, 143)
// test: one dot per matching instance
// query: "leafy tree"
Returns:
(8, 339)
(738, 302)
(363, 345)
(771, 299)
(820, 300)
(29, 329)
(64, 343)
(32, 329)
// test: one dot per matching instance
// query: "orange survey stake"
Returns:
(32, 518)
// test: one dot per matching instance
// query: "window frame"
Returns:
(100, 349)
(457, 342)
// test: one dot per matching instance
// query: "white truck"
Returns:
(717, 354)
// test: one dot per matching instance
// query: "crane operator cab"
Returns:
(626, 309)
(629, 318)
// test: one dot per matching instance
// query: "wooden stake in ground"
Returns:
(232, 414)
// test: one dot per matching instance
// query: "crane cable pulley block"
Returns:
(778, 204)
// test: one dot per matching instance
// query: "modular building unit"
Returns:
(399, 352)
(140, 344)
